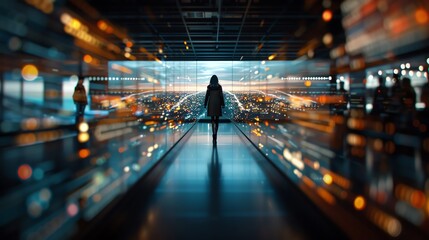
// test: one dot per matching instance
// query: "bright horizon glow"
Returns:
(233, 75)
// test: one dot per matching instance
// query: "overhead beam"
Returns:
(241, 27)
(186, 27)
(218, 22)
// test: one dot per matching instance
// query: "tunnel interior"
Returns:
(325, 119)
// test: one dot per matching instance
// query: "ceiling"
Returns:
(225, 29)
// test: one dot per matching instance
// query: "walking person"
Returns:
(214, 102)
(80, 100)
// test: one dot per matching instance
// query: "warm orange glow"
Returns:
(84, 153)
(307, 83)
(421, 16)
(87, 58)
(272, 56)
(418, 199)
(327, 15)
(325, 195)
(24, 172)
(29, 72)
(26, 138)
(75, 23)
(327, 179)
(121, 68)
(102, 25)
(121, 149)
(129, 44)
(359, 203)
(83, 137)
(30, 124)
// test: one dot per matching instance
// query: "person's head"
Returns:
(395, 79)
(80, 80)
(381, 81)
(406, 82)
(214, 80)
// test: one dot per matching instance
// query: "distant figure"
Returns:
(424, 98)
(80, 100)
(408, 99)
(343, 100)
(380, 97)
(214, 102)
(395, 95)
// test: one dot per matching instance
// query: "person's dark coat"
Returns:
(214, 100)
(79, 96)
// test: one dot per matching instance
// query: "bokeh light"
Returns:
(84, 153)
(83, 137)
(327, 179)
(83, 127)
(24, 171)
(29, 72)
(327, 39)
(72, 209)
(359, 203)
(87, 58)
(327, 15)
(421, 16)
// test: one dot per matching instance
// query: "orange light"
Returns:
(87, 58)
(359, 203)
(418, 199)
(327, 15)
(29, 72)
(307, 83)
(129, 44)
(271, 57)
(421, 16)
(84, 153)
(102, 25)
(327, 179)
(24, 172)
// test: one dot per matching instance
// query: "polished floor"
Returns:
(227, 192)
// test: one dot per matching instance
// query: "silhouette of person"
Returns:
(408, 99)
(343, 99)
(395, 95)
(380, 97)
(424, 98)
(80, 100)
(214, 101)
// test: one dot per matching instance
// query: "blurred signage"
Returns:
(379, 28)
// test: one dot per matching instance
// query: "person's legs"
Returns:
(216, 124)
(80, 110)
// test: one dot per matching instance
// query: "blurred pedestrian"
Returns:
(341, 105)
(80, 100)
(408, 99)
(424, 98)
(380, 97)
(395, 95)
(214, 101)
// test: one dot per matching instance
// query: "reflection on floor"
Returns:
(228, 192)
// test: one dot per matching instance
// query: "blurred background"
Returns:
(334, 93)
